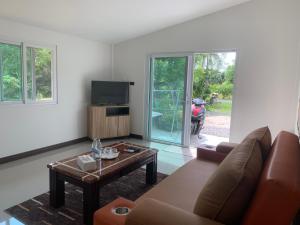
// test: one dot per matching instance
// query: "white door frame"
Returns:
(185, 139)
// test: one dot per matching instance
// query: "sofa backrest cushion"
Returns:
(277, 197)
(263, 136)
(228, 191)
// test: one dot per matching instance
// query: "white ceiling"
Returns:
(108, 20)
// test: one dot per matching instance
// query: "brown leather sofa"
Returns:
(188, 196)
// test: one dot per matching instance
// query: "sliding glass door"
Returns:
(167, 98)
(177, 80)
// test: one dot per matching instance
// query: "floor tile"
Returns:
(26, 178)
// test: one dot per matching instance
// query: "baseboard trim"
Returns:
(34, 152)
(136, 136)
(23, 155)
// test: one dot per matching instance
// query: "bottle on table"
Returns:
(96, 148)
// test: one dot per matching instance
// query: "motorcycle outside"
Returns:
(198, 116)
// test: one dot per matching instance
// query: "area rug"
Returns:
(37, 211)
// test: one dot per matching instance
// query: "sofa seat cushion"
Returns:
(263, 136)
(229, 190)
(182, 188)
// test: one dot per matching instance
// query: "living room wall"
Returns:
(265, 34)
(28, 127)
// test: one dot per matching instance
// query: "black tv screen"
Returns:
(110, 93)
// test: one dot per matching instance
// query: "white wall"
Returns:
(265, 34)
(27, 127)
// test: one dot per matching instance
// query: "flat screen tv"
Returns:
(110, 93)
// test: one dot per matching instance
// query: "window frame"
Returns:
(54, 90)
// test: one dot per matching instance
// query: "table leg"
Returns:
(151, 171)
(90, 202)
(57, 190)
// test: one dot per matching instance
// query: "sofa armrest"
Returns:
(154, 212)
(225, 147)
(210, 155)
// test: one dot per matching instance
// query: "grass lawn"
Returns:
(220, 107)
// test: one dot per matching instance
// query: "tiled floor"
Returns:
(26, 178)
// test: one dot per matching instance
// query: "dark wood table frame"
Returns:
(91, 190)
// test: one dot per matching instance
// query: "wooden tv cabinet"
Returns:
(108, 121)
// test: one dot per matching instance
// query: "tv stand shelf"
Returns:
(117, 111)
(108, 121)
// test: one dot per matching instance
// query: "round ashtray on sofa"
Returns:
(121, 211)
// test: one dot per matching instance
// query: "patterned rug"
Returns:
(37, 211)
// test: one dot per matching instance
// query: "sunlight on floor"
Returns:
(10, 221)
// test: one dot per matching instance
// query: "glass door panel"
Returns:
(167, 98)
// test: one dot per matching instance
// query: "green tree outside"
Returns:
(212, 76)
(168, 91)
(11, 79)
(10, 72)
(39, 66)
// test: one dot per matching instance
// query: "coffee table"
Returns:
(91, 181)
